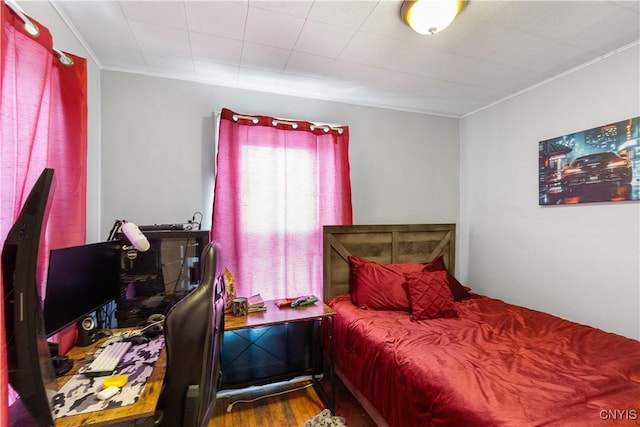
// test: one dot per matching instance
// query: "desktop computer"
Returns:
(151, 282)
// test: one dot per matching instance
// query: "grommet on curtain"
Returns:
(275, 122)
(63, 57)
(326, 129)
(31, 28)
(236, 117)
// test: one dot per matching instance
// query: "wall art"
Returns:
(601, 164)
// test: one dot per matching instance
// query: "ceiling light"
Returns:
(430, 16)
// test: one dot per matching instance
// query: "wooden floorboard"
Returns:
(290, 405)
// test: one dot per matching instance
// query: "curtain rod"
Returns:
(275, 122)
(33, 30)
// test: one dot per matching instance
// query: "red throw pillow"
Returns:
(457, 289)
(380, 286)
(430, 295)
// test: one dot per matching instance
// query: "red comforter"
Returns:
(495, 365)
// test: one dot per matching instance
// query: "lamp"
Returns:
(430, 16)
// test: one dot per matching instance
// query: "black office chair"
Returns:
(193, 331)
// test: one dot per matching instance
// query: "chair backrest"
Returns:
(193, 332)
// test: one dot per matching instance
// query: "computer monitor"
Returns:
(28, 359)
(80, 280)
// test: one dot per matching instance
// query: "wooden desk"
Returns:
(126, 415)
(275, 315)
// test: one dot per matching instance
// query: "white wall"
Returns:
(65, 40)
(158, 158)
(151, 160)
(581, 262)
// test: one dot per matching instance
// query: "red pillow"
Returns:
(380, 286)
(457, 290)
(430, 295)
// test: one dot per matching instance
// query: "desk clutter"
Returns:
(83, 394)
(301, 301)
(242, 306)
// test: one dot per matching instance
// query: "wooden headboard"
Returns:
(384, 244)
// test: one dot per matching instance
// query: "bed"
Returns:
(480, 361)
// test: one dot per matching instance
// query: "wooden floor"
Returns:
(284, 408)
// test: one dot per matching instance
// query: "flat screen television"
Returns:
(29, 362)
(81, 279)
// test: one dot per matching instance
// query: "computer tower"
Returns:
(151, 282)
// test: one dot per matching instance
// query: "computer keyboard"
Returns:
(107, 360)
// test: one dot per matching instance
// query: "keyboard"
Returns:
(107, 360)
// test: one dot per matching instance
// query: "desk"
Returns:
(138, 414)
(274, 315)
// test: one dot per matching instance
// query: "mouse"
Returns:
(137, 339)
(108, 393)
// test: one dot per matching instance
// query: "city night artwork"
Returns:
(601, 164)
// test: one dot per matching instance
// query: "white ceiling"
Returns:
(355, 51)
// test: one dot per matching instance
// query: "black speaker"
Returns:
(87, 329)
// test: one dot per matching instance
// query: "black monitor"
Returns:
(81, 279)
(29, 361)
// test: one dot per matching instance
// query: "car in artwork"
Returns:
(603, 167)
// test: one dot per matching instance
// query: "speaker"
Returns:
(87, 329)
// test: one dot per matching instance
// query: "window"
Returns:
(277, 183)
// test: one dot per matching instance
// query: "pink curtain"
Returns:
(43, 123)
(277, 183)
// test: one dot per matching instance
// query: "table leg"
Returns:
(328, 400)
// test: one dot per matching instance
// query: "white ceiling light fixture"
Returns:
(430, 16)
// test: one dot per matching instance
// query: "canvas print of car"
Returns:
(601, 164)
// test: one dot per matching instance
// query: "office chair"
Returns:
(193, 331)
